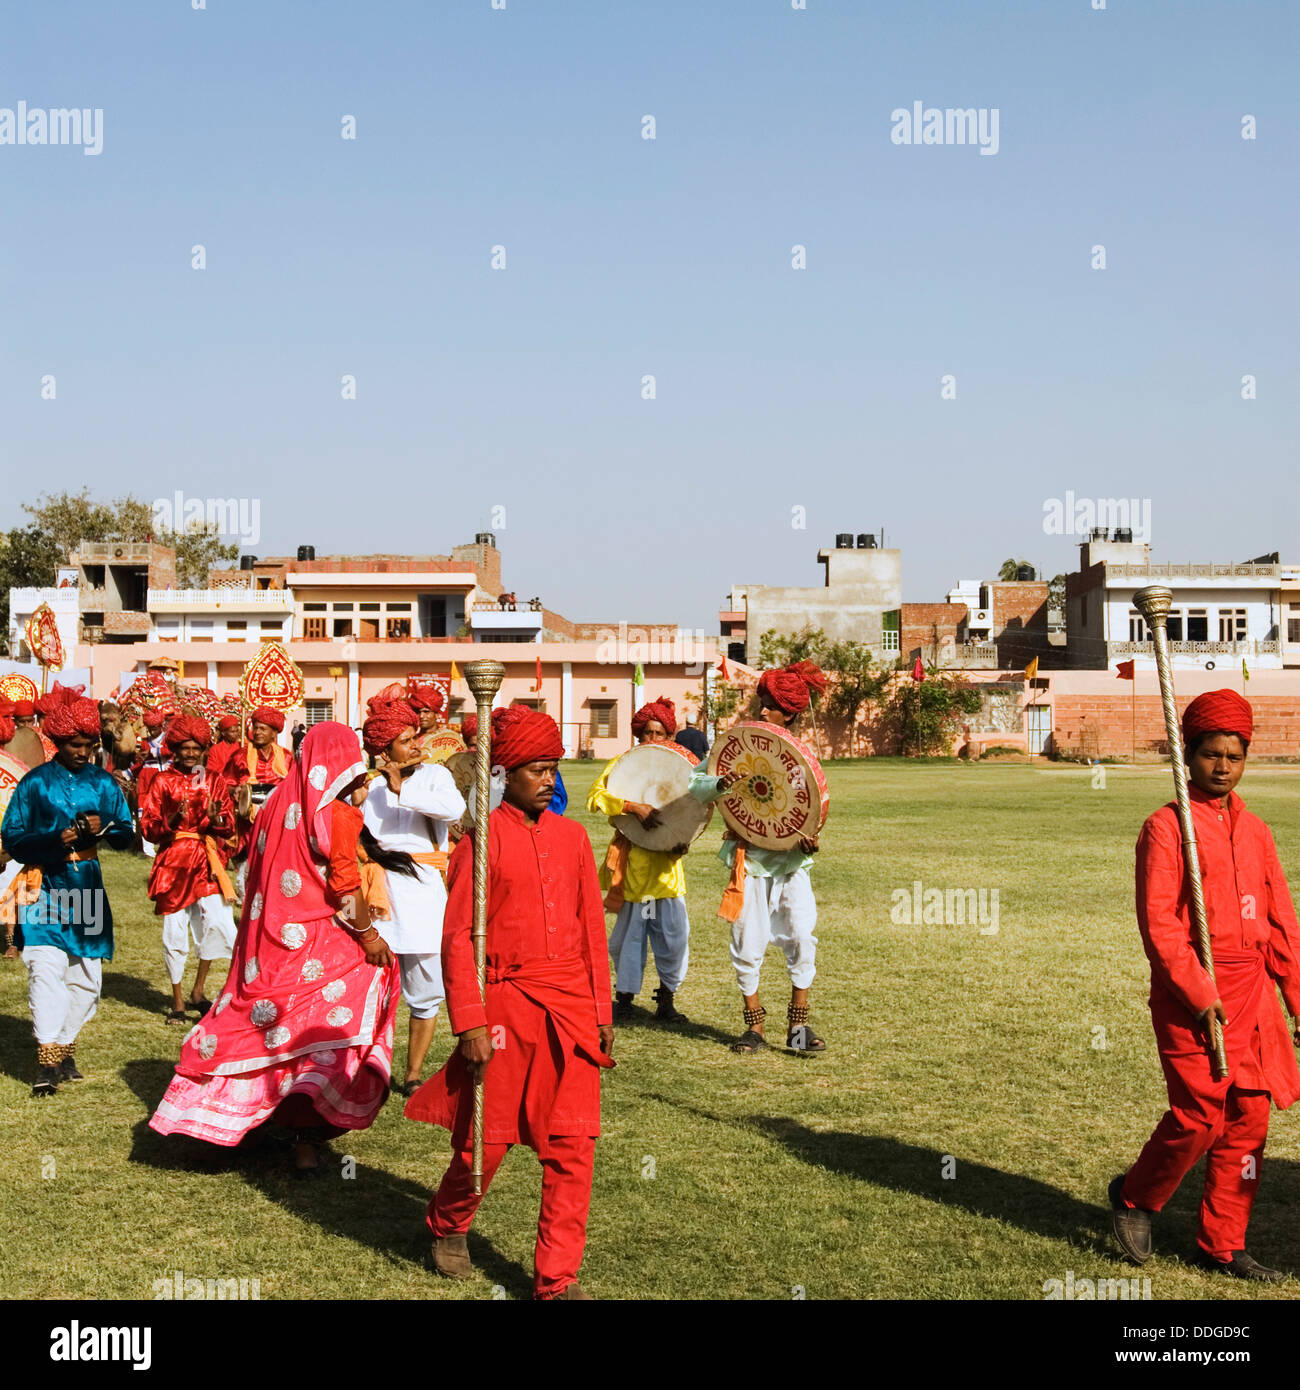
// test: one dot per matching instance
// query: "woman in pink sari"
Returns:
(302, 1032)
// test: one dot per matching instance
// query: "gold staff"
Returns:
(484, 680)
(1153, 603)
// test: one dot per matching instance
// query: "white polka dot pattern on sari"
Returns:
(276, 1037)
(290, 883)
(317, 776)
(336, 989)
(294, 935)
(251, 970)
(292, 815)
(339, 1018)
(262, 1013)
(312, 969)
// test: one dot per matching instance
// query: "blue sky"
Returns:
(776, 389)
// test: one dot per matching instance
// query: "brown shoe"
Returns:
(1132, 1225)
(573, 1291)
(451, 1257)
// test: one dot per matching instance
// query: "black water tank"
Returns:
(1123, 533)
(866, 541)
(844, 540)
(1099, 533)
(485, 538)
(1024, 572)
(246, 562)
(306, 552)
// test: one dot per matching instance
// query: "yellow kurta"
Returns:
(650, 873)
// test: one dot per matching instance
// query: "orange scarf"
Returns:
(215, 867)
(374, 899)
(279, 760)
(616, 863)
(733, 896)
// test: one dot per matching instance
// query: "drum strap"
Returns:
(616, 864)
(733, 897)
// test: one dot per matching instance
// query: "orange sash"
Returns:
(733, 896)
(217, 869)
(616, 863)
(279, 760)
(22, 892)
(374, 899)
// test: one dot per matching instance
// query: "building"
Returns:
(863, 583)
(1221, 614)
(114, 579)
(63, 603)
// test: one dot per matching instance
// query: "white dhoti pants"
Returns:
(659, 923)
(62, 992)
(782, 910)
(213, 926)
(422, 986)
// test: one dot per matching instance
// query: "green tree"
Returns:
(781, 649)
(1008, 571)
(855, 680)
(72, 517)
(29, 558)
(928, 712)
(198, 549)
(1056, 594)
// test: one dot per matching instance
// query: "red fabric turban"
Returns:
(1218, 711)
(661, 709)
(385, 720)
(523, 735)
(791, 688)
(228, 721)
(7, 726)
(469, 729)
(68, 713)
(23, 709)
(427, 697)
(153, 720)
(264, 714)
(185, 726)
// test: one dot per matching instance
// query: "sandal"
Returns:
(749, 1041)
(200, 1006)
(800, 1036)
(176, 1016)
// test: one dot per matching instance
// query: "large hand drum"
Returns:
(12, 771)
(658, 775)
(461, 767)
(782, 794)
(442, 746)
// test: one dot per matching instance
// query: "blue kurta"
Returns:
(72, 911)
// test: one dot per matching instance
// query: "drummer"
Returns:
(770, 896)
(646, 888)
(428, 702)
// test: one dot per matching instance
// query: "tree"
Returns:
(1008, 571)
(1056, 594)
(855, 680)
(780, 649)
(72, 517)
(198, 549)
(928, 712)
(29, 558)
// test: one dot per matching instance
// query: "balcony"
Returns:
(489, 618)
(229, 599)
(1151, 572)
(1242, 649)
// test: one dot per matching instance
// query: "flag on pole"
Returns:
(918, 671)
(1032, 669)
(722, 668)
(455, 672)
(1245, 674)
(538, 686)
(1124, 671)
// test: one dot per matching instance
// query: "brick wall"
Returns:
(1020, 618)
(1100, 725)
(924, 628)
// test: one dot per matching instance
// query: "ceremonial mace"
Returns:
(484, 680)
(1153, 603)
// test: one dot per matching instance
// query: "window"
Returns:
(1293, 629)
(889, 639)
(271, 625)
(342, 627)
(398, 628)
(604, 719)
(1174, 626)
(343, 608)
(396, 607)
(264, 583)
(368, 607)
(95, 576)
(1137, 627)
(319, 711)
(1232, 624)
(369, 629)
(456, 706)
(1198, 625)
(313, 608)
(236, 624)
(313, 629)
(531, 702)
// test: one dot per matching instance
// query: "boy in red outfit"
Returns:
(1255, 943)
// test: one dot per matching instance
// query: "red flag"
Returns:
(1124, 671)
(538, 686)
(722, 668)
(918, 671)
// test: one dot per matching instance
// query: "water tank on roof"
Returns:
(1024, 572)
(844, 540)
(246, 562)
(866, 541)
(306, 552)
(1100, 533)
(485, 538)
(1123, 533)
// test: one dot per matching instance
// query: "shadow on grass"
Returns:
(137, 993)
(371, 1207)
(704, 1032)
(17, 1048)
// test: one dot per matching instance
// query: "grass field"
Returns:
(955, 1141)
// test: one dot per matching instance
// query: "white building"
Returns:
(63, 604)
(1221, 614)
(233, 614)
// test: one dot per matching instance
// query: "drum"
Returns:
(26, 747)
(12, 771)
(782, 795)
(659, 775)
(461, 767)
(438, 747)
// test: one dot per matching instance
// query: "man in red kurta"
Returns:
(189, 816)
(227, 745)
(545, 1031)
(1255, 943)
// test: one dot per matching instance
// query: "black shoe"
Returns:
(1241, 1266)
(1132, 1225)
(68, 1071)
(623, 1009)
(666, 1012)
(47, 1082)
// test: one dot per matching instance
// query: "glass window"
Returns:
(1137, 627)
(368, 607)
(313, 608)
(343, 608)
(1198, 625)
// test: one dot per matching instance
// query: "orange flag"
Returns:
(538, 686)
(455, 674)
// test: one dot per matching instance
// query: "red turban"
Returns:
(7, 726)
(427, 697)
(469, 728)
(23, 709)
(68, 713)
(228, 721)
(523, 735)
(385, 720)
(1218, 711)
(185, 726)
(791, 687)
(661, 709)
(264, 714)
(153, 720)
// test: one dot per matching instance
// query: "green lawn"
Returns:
(951, 1051)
